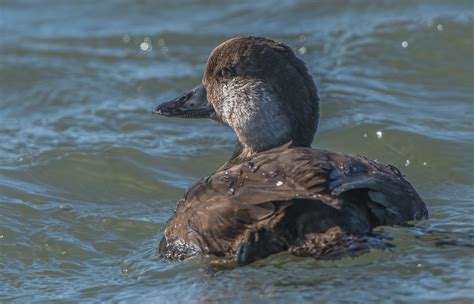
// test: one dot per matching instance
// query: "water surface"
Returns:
(88, 177)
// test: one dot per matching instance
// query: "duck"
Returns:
(276, 193)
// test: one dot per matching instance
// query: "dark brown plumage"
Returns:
(288, 199)
(280, 197)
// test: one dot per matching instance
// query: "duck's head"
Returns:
(260, 89)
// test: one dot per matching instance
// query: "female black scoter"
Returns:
(276, 193)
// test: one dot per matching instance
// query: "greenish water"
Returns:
(88, 177)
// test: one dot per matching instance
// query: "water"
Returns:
(88, 177)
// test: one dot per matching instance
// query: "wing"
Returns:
(284, 174)
(219, 226)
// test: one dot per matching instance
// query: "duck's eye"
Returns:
(225, 73)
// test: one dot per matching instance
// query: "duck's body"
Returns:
(303, 200)
(271, 197)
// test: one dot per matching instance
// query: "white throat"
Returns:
(255, 116)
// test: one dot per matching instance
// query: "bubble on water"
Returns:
(126, 38)
(1, 236)
(425, 164)
(301, 38)
(419, 265)
(404, 44)
(379, 134)
(144, 46)
(302, 50)
(279, 183)
(63, 252)
(365, 135)
(147, 40)
(407, 163)
(65, 207)
(20, 159)
(440, 27)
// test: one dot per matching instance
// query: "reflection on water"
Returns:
(88, 177)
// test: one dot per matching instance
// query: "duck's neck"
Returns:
(256, 114)
(237, 157)
(241, 154)
(244, 153)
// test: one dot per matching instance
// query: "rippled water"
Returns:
(88, 177)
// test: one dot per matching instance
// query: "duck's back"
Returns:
(297, 199)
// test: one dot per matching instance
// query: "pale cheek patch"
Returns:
(256, 118)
